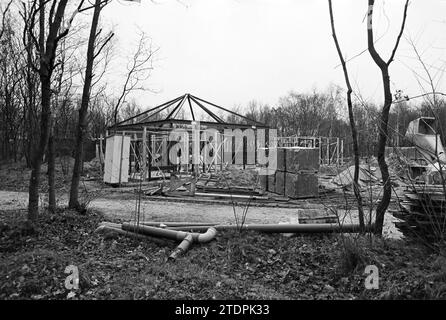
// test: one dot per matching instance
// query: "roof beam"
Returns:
(168, 103)
(155, 124)
(234, 113)
(190, 106)
(178, 106)
(216, 118)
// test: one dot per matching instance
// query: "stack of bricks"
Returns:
(295, 176)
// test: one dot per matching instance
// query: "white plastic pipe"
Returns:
(171, 234)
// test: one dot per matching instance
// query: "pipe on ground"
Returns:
(207, 236)
(182, 247)
(186, 238)
(282, 228)
(176, 224)
(109, 230)
(177, 235)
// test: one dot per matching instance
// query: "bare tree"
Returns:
(352, 121)
(4, 14)
(384, 117)
(30, 90)
(46, 44)
(62, 84)
(10, 82)
(92, 53)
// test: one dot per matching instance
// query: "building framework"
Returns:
(148, 146)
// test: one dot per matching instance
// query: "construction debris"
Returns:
(366, 176)
(423, 214)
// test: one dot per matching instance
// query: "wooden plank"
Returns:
(120, 161)
(234, 196)
(144, 153)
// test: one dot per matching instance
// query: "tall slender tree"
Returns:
(384, 116)
(92, 53)
(351, 120)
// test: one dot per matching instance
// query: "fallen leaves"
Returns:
(234, 266)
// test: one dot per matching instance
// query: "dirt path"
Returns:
(113, 206)
(122, 206)
(195, 212)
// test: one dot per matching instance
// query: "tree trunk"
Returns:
(356, 156)
(51, 175)
(47, 52)
(352, 123)
(384, 118)
(83, 111)
(39, 151)
(383, 134)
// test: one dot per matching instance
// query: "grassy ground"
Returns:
(234, 266)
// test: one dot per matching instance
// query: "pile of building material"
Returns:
(423, 214)
(367, 175)
(423, 210)
(295, 176)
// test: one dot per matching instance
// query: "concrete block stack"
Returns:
(296, 174)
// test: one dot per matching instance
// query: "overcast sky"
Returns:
(233, 51)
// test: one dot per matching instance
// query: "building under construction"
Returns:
(161, 140)
(189, 136)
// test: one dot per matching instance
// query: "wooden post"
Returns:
(149, 169)
(120, 158)
(222, 144)
(165, 156)
(320, 150)
(337, 151)
(193, 184)
(153, 145)
(101, 159)
(328, 150)
(144, 153)
(342, 151)
(137, 164)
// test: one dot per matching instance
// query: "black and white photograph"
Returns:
(224, 156)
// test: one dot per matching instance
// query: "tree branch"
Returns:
(103, 45)
(400, 34)
(4, 18)
(371, 44)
